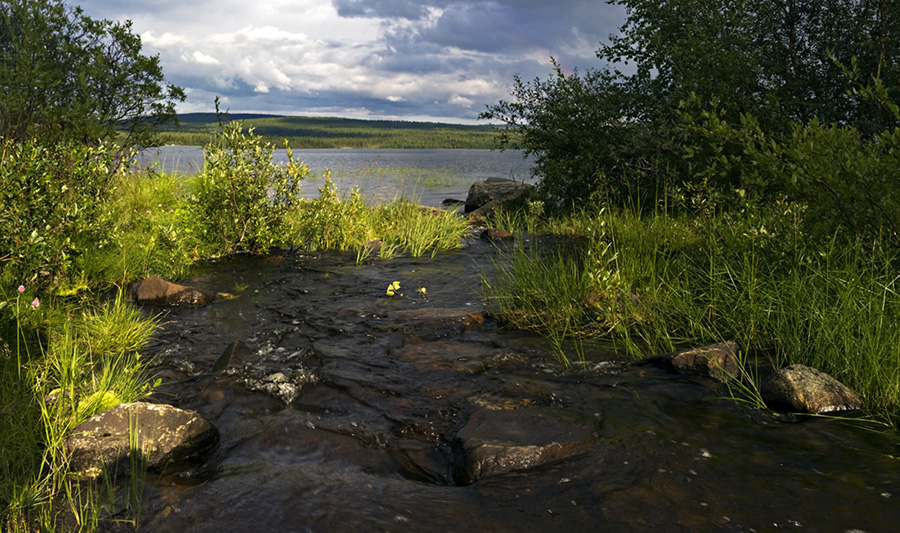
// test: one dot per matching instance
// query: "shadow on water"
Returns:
(338, 409)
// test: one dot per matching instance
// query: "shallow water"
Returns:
(429, 176)
(342, 414)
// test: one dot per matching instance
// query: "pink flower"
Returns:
(35, 304)
(21, 288)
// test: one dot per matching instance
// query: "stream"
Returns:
(338, 409)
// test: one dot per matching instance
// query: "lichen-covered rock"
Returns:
(716, 360)
(163, 436)
(495, 442)
(806, 390)
(492, 191)
(158, 292)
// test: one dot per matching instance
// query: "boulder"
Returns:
(493, 191)
(716, 360)
(495, 442)
(803, 389)
(159, 292)
(163, 437)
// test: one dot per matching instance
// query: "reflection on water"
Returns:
(367, 445)
(428, 175)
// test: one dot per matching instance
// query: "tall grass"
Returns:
(87, 363)
(671, 281)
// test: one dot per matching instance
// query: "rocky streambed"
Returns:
(339, 408)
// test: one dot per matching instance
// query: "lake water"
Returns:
(430, 176)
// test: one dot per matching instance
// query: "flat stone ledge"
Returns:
(496, 442)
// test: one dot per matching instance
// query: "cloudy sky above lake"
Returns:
(433, 60)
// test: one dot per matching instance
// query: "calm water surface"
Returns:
(431, 176)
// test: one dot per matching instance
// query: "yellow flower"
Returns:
(395, 286)
(421, 291)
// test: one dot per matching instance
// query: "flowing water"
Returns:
(340, 408)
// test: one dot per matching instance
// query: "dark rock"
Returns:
(234, 355)
(452, 202)
(492, 191)
(159, 292)
(716, 360)
(165, 438)
(496, 442)
(807, 390)
(496, 234)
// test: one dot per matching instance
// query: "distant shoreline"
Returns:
(198, 129)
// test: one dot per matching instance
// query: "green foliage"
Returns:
(663, 282)
(86, 362)
(331, 223)
(242, 196)
(67, 77)
(619, 133)
(53, 205)
(843, 178)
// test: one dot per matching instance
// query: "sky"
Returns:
(418, 60)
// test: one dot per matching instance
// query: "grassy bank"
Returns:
(77, 231)
(656, 283)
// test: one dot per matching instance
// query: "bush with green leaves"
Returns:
(242, 196)
(53, 202)
(616, 130)
(67, 77)
(845, 179)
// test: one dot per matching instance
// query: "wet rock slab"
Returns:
(496, 442)
(163, 435)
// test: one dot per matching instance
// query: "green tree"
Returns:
(67, 77)
(610, 129)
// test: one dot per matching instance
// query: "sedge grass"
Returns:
(86, 364)
(679, 281)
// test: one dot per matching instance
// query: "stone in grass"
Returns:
(495, 442)
(803, 389)
(158, 292)
(716, 360)
(165, 438)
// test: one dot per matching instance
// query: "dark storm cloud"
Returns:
(407, 59)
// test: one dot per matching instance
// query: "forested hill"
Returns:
(332, 132)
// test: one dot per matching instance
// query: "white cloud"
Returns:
(461, 101)
(391, 58)
(203, 59)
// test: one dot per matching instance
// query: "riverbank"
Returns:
(661, 282)
(72, 350)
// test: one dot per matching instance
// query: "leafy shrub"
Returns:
(330, 223)
(53, 202)
(841, 178)
(242, 196)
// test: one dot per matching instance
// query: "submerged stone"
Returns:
(495, 442)
(806, 390)
(496, 234)
(157, 437)
(234, 355)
